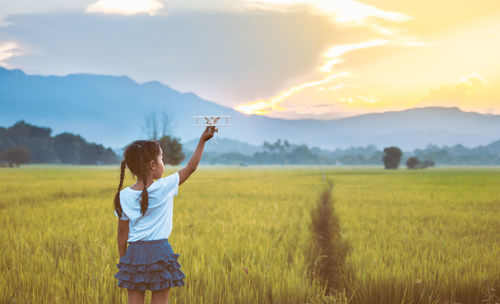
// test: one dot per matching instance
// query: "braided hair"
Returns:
(137, 157)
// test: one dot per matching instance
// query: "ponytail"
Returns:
(118, 206)
(145, 196)
(137, 157)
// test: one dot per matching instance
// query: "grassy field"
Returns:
(421, 236)
(244, 235)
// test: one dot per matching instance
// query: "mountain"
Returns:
(111, 109)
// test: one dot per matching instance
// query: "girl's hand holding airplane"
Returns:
(209, 133)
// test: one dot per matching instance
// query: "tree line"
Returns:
(283, 153)
(26, 143)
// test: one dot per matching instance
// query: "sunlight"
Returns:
(261, 107)
(340, 50)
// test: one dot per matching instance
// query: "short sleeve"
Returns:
(171, 183)
(124, 216)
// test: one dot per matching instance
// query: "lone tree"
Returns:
(16, 155)
(160, 129)
(172, 150)
(415, 163)
(412, 162)
(428, 163)
(392, 157)
(155, 127)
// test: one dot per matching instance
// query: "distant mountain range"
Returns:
(110, 110)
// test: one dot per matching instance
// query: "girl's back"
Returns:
(157, 221)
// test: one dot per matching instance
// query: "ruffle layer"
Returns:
(159, 265)
(171, 272)
(151, 286)
(139, 254)
(150, 267)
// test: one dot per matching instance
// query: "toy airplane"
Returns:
(211, 121)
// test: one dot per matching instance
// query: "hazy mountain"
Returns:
(110, 110)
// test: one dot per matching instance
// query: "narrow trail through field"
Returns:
(330, 248)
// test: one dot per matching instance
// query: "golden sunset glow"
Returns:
(400, 60)
(339, 50)
(266, 106)
(262, 107)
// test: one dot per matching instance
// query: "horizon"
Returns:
(279, 118)
(90, 105)
(194, 141)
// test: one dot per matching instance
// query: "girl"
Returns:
(149, 263)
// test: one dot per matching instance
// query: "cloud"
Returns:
(470, 93)
(278, 55)
(336, 87)
(335, 56)
(8, 50)
(342, 11)
(235, 57)
(125, 7)
(398, 74)
(359, 99)
(337, 51)
(262, 107)
(229, 57)
(345, 14)
(460, 93)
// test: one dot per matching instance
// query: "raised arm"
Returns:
(185, 172)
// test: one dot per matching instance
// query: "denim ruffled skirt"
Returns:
(149, 265)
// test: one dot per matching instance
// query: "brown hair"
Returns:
(137, 157)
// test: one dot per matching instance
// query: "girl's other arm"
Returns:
(185, 172)
(122, 237)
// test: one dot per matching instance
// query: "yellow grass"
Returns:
(430, 235)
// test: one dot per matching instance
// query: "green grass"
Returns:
(416, 236)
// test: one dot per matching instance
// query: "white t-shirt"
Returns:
(157, 221)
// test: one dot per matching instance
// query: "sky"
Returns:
(280, 58)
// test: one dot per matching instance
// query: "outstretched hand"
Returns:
(209, 133)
